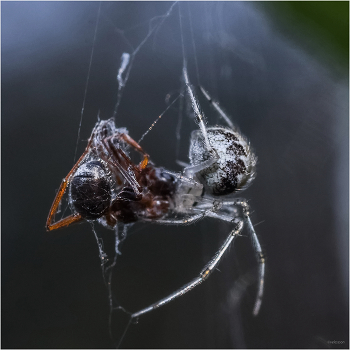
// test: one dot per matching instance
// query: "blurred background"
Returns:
(280, 70)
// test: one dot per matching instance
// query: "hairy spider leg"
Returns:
(261, 261)
(217, 257)
(197, 110)
(204, 274)
(200, 120)
(65, 182)
(218, 109)
(257, 248)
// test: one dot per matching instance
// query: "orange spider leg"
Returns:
(134, 144)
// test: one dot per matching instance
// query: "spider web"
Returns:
(276, 94)
(188, 49)
(127, 59)
(153, 38)
(122, 77)
(225, 55)
(293, 109)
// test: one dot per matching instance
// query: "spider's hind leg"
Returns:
(256, 245)
(259, 256)
(204, 274)
(261, 260)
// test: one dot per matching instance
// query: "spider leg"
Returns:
(138, 148)
(254, 238)
(259, 254)
(130, 141)
(204, 274)
(200, 120)
(218, 109)
(64, 222)
(261, 260)
(183, 164)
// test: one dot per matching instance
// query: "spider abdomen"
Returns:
(235, 168)
(90, 191)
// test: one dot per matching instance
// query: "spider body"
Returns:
(235, 168)
(105, 185)
(90, 190)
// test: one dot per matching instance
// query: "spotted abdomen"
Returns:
(235, 168)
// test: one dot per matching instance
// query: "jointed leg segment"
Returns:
(257, 248)
(261, 260)
(204, 274)
(218, 108)
(200, 120)
(213, 263)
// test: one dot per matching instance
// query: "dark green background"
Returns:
(321, 28)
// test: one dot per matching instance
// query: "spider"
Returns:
(105, 185)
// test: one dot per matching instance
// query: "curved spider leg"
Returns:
(218, 109)
(118, 152)
(261, 261)
(204, 274)
(130, 141)
(73, 218)
(138, 148)
(257, 248)
(255, 241)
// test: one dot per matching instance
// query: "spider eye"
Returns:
(90, 190)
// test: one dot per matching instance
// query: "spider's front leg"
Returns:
(191, 170)
(204, 274)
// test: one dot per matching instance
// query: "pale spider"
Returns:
(105, 185)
